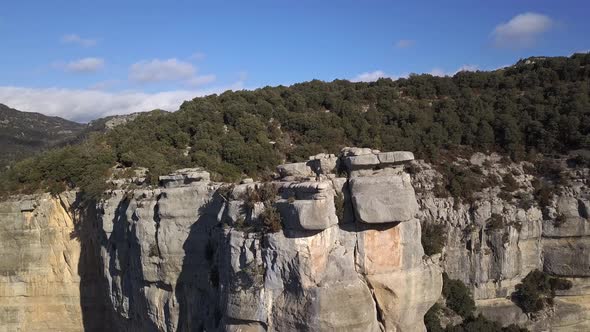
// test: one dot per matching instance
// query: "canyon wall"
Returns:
(194, 255)
(344, 255)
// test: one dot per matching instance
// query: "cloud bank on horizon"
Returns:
(86, 105)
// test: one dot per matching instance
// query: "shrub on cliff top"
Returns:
(270, 218)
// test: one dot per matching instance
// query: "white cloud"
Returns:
(370, 76)
(441, 72)
(522, 30)
(438, 72)
(405, 43)
(86, 104)
(201, 80)
(157, 70)
(86, 65)
(467, 68)
(75, 39)
(104, 85)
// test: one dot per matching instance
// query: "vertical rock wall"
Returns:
(186, 257)
(493, 257)
(39, 255)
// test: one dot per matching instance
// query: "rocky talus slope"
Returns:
(344, 255)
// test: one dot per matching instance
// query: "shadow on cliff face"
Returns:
(93, 287)
(197, 288)
(99, 313)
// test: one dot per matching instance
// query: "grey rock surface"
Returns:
(383, 197)
(190, 255)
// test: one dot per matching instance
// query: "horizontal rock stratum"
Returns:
(308, 251)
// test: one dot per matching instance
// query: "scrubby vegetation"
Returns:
(460, 182)
(22, 134)
(269, 220)
(433, 238)
(432, 319)
(458, 297)
(510, 183)
(541, 106)
(537, 290)
(480, 324)
(496, 222)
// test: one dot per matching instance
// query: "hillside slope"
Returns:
(538, 105)
(24, 133)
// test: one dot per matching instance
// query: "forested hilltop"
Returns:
(539, 105)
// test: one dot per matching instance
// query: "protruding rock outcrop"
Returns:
(308, 206)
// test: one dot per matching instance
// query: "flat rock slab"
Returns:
(395, 157)
(362, 161)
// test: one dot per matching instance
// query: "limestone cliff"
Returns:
(196, 255)
(495, 240)
(39, 279)
(309, 251)
(188, 257)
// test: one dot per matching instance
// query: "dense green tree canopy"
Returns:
(541, 105)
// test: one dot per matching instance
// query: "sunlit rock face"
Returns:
(344, 252)
(192, 257)
(40, 270)
(493, 259)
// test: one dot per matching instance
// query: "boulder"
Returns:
(323, 164)
(295, 170)
(383, 198)
(308, 206)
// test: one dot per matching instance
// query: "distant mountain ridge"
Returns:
(25, 133)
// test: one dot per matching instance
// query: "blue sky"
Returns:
(85, 59)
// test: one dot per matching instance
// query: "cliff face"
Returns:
(495, 241)
(39, 280)
(187, 258)
(197, 255)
